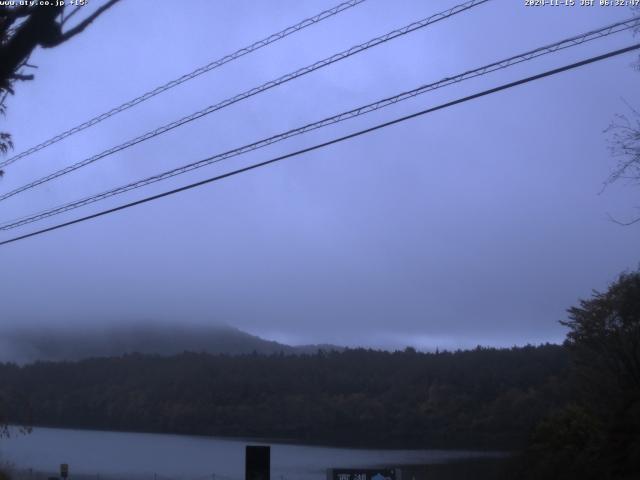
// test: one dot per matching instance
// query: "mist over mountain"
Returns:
(30, 344)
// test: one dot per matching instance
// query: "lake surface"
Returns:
(117, 455)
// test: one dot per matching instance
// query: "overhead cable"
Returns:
(250, 93)
(186, 77)
(501, 64)
(330, 142)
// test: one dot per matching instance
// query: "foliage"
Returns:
(604, 337)
(564, 446)
(599, 436)
(479, 398)
(21, 416)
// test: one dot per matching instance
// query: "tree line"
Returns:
(483, 398)
(568, 411)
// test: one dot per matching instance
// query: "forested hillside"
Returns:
(25, 345)
(480, 398)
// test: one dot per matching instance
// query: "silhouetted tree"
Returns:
(565, 446)
(604, 336)
(598, 435)
(25, 27)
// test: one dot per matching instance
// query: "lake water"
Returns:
(117, 455)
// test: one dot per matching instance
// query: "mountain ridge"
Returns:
(31, 344)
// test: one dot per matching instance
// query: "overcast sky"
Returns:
(478, 224)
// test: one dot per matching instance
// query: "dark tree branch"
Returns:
(24, 28)
(20, 76)
(40, 27)
(73, 12)
(84, 24)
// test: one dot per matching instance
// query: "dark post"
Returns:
(257, 463)
(64, 470)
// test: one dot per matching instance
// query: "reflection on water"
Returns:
(112, 455)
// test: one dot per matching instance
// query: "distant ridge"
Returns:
(26, 345)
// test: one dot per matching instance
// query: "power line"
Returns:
(505, 63)
(254, 91)
(188, 76)
(331, 142)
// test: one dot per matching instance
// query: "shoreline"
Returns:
(111, 455)
(463, 469)
(498, 453)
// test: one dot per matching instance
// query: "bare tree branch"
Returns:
(84, 24)
(20, 76)
(73, 12)
(22, 29)
(624, 143)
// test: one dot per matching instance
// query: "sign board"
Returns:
(64, 470)
(257, 463)
(361, 474)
